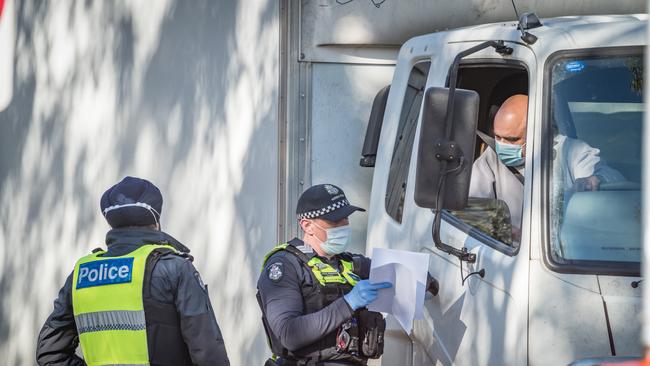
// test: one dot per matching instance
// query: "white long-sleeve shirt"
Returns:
(492, 179)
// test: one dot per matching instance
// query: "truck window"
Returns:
(492, 217)
(595, 114)
(399, 165)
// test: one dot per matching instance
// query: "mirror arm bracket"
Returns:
(499, 47)
(447, 150)
(462, 254)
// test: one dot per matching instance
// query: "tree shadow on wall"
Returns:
(183, 104)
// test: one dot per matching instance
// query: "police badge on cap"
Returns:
(324, 201)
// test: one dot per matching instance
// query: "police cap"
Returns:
(132, 202)
(324, 201)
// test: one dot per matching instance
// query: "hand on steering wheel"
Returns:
(587, 184)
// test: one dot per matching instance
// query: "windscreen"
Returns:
(596, 112)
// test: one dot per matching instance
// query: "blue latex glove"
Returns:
(363, 293)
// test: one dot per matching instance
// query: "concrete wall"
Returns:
(182, 93)
(342, 96)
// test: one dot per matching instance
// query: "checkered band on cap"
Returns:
(325, 210)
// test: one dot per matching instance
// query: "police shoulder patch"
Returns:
(275, 271)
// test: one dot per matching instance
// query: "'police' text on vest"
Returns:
(105, 272)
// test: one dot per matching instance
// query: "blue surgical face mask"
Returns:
(337, 240)
(510, 154)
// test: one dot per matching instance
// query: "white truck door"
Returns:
(480, 322)
(483, 321)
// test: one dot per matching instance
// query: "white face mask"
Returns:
(337, 240)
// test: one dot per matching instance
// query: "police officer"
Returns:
(139, 302)
(313, 294)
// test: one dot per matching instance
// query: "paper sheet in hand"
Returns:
(407, 271)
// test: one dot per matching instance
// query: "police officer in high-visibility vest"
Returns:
(313, 293)
(139, 302)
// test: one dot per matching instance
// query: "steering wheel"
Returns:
(620, 186)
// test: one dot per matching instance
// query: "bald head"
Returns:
(510, 120)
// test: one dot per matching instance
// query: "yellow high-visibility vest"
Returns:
(323, 272)
(108, 307)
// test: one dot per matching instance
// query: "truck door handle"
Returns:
(432, 285)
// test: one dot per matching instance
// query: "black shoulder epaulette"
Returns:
(186, 255)
(298, 253)
(347, 256)
(165, 251)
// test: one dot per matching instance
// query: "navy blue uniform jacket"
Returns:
(174, 280)
(283, 301)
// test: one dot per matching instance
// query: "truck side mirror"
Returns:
(371, 142)
(446, 152)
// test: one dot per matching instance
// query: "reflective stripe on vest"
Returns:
(323, 272)
(110, 320)
(108, 307)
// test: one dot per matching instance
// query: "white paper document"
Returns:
(407, 271)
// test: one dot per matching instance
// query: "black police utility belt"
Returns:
(356, 340)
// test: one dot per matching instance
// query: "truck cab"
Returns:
(556, 279)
